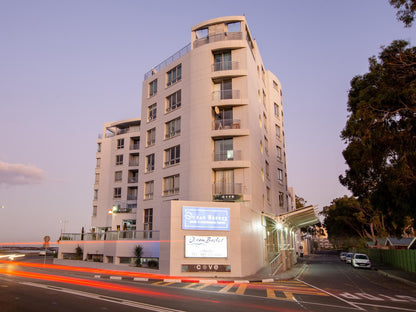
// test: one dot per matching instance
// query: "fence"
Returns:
(404, 259)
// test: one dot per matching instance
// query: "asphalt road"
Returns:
(325, 284)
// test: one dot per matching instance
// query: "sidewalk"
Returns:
(398, 274)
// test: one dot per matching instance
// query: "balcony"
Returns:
(135, 146)
(229, 94)
(227, 155)
(133, 179)
(227, 191)
(112, 236)
(218, 37)
(228, 65)
(134, 162)
(131, 196)
(226, 124)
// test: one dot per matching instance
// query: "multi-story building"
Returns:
(211, 178)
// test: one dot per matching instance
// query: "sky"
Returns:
(67, 67)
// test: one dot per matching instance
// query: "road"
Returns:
(325, 284)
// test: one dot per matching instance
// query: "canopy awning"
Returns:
(300, 217)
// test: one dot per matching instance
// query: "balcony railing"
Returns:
(168, 61)
(218, 37)
(112, 236)
(131, 196)
(171, 191)
(133, 162)
(227, 191)
(226, 124)
(134, 146)
(133, 179)
(227, 155)
(229, 94)
(227, 65)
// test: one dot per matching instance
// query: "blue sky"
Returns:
(67, 67)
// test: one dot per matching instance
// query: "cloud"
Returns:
(17, 174)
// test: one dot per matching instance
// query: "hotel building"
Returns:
(200, 180)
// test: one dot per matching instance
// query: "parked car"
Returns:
(342, 255)
(360, 261)
(348, 257)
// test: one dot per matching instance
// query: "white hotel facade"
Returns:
(200, 180)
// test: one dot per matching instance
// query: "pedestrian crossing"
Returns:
(279, 290)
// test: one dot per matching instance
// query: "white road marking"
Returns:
(134, 304)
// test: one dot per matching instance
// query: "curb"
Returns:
(186, 280)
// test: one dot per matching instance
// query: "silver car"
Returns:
(348, 257)
(360, 261)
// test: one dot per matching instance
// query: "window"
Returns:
(223, 149)
(173, 101)
(281, 199)
(98, 147)
(150, 163)
(117, 192)
(133, 176)
(280, 175)
(277, 131)
(148, 190)
(153, 88)
(134, 159)
(171, 185)
(174, 75)
(148, 220)
(98, 163)
(224, 183)
(223, 90)
(275, 85)
(224, 118)
(135, 143)
(266, 145)
(172, 155)
(118, 175)
(132, 193)
(276, 110)
(268, 193)
(151, 137)
(267, 169)
(172, 128)
(222, 60)
(94, 211)
(151, 112)
(120, 143)
(95, 194)
(279, 152)
(265, 121)
(119, 159)
(97, 178)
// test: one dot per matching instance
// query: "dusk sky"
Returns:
(67, 67)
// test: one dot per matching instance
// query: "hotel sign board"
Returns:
(206, 268)
(205, 247)
(203, 218)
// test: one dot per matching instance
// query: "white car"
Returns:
(342, 255)
(348, 257)
(360, 261)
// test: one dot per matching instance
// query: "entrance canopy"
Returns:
(300, 217)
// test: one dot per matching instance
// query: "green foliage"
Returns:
(300, 202)
(406, 10)
(138, 251)
(381, 139)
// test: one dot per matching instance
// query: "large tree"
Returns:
(381, 136)
(406, 10)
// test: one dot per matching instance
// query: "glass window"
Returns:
(153, 88)
(279, 152)
(171, 185)
(148, 219)
(172, 155)
(267, 169)
(118, 175)
(120, 143)
(117, 192)
(151, 112)
(223, 90)
(98, 162)
(151, 137)
(148, 190)
(119, 159)
(280, 175)
(174, 75)
(234, 27)
(173, 101)
(98, 147)
(150, 163)
(281, 199)
(173, 128)
(277, 131)
(223, 118)
(276, 110)
(201, 33)
(222, 60)
(95, 194)
(223, 149)
(97, 178)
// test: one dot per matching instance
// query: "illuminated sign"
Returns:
(201, 218)
(205, 247)
(206, 268)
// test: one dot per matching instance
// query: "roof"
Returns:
(399, 241)
(300, 217)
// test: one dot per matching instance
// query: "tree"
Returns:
(138, 251)
(381, 137)
(406, 11)
(300, 202)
